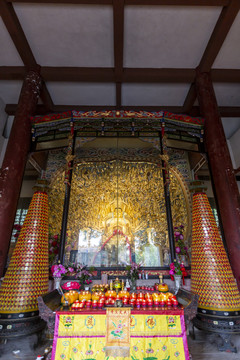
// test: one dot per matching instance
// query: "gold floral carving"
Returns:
(119, 194)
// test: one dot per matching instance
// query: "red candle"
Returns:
(88, 303)
(125, 301)
(174, 302)
(156, 303)
(144, 302)
(94, 303)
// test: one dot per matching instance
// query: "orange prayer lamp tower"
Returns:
(28, 272)
(211, 274)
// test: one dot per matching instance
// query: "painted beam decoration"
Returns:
(110, 121)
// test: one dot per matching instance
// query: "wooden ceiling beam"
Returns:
(225, 75)
(178, 2)
(130, 2)
(78, 74)
(12, 72)
(15, 30)
(77, 2)
(219, 35)
(148, 75)
(19, 39)
(118, 26)
(129, 75)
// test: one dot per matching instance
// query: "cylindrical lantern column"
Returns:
(211, 274)
(222, 170)
(15, 159)
(28, 272)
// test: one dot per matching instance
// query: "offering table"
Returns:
(155, 334)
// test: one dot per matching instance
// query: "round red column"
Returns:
(222, 170)
(15, 159)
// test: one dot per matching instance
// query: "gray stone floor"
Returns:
(202, 348)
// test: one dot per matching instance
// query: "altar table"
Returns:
(154, 335)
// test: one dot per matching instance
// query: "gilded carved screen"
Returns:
(117, 212)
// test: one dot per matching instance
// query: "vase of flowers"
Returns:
(84, 275)
(57, 272)
(133, 271)
(177, 273)
(180, 246)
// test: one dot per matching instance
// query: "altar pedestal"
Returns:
(154, 334)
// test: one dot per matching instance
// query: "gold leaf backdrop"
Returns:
(117, 212)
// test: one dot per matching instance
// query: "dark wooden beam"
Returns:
(178, 2)
(163, 75)
(118, 26)
(19, 39)
(219, 34)
(131, 75)
(12, 72)
(229, 111)
(78, 74)
(131, 2)
(78, 2)
(15, 30)
(225, 75)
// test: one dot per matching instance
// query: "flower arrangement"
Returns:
(58, 270)
(177, 268)
(181, 248)
(84, 275)
(133, 271)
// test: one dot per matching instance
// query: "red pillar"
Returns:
(222, 170)
(15, 159)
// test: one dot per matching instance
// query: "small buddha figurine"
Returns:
(117, 284)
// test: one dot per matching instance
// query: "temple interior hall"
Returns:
(119, 179)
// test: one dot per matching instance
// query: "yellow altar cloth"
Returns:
(154, 335)
(118, 332)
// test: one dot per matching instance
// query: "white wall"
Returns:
(27, 188)
(234, 143)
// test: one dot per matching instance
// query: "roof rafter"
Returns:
(219, 34)
(19, 39)
(129, 75)
(131, 2)
(118, 26)
(215, 42)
